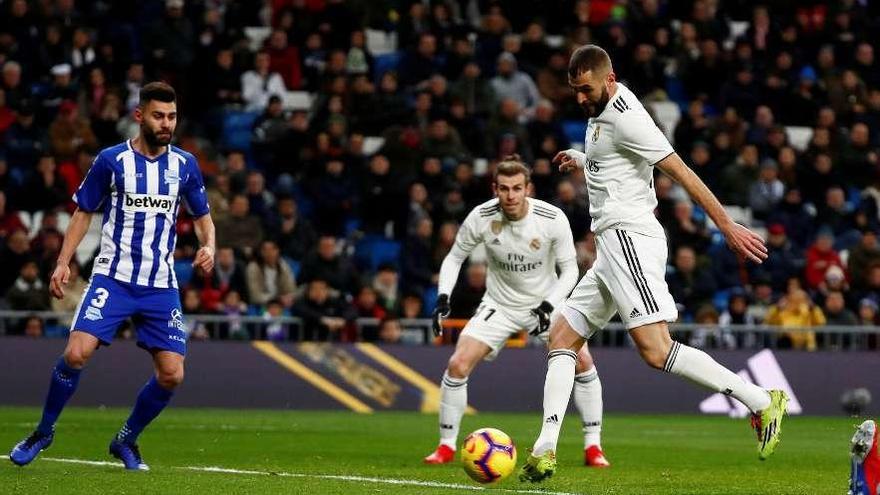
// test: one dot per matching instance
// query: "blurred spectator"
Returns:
(223, 82)
(418, 270)
(390, 331)
(260, 200)
(28, 292)
(820, 256)
(25, 141)
(690, 286)
(13, 88)
(10, 221)
(33, 327)
(796, 312)
(327, 263)
(709, 334)
(270, 278)
(324, 316)
(13, 256)
(474, 91)
(335, 197)
(191, 305)
(868, 312)
(686, 231)
(233, 308)
(259, 83)
(46, 189)
(737, 177)
(546, 137)
(865, 254)
(293, 233)
(419, 64)
(170, 41)
(784, 260)
(366, 304)
(275, 330)
(468, 293)
(386, 283)
(511, 83)
(836, 312)
(239, 230)
(766, 193)
(381, 191)
(284, 59)
(69, 131)
(443, 141)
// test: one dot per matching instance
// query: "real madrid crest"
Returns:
(496, 227)
(596, 133)
(535, 244)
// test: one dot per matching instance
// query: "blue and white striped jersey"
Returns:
(139, 199)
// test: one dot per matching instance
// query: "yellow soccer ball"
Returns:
(488, 455)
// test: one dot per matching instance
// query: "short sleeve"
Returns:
(563, 242)
(193, 190)
(638, 134)
(96, 185)
(468, 234)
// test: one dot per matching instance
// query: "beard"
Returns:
(154, 139)
(592, 110)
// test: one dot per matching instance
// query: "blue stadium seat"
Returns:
(429, 299)
(294, 265)
(372, 251)
(237, 128)
(386, 62)
(574, 130)
(55, 331)
(184, 270)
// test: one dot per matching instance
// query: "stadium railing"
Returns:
(417, 331)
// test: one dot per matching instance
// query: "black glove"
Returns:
(543, 313)
(441, 310)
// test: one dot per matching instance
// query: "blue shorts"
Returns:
(156, 314)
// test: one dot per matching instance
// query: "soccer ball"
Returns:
(488, 455)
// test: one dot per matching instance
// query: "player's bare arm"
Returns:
(740, 239)
(569, 160)
(204, 226)
(79, 225)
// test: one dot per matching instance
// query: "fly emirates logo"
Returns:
(149, 203)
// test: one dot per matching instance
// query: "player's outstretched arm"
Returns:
(76, 230)
(204, 226)
(741, 240)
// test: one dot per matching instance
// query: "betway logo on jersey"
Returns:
(149, 203)
(764, 371)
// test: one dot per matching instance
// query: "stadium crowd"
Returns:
(318, 219)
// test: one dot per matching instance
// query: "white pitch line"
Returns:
(337, 477)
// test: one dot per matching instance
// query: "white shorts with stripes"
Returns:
(629, 278)
(493, 325)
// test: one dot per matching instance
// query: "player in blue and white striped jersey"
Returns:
(136, 187)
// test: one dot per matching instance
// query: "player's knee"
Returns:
(170, 379)
(459, 367)
(75, 357)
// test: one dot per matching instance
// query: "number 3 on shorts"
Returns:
(101, 295)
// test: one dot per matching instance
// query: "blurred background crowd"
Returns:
(343, 142)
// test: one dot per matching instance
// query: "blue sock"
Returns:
(150, 402)
(61, 388)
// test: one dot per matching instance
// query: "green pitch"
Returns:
(334, 452)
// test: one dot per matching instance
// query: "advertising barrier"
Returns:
(366, 377)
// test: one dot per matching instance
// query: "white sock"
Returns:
(700, 368)
(588, 399)
(453, 402)
(557, 391)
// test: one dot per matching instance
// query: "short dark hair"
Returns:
(159, 91)
(511, 166)
(588, 58)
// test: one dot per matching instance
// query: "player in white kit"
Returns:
(622, 148)
(526, 239)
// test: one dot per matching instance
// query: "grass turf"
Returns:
(649, 454)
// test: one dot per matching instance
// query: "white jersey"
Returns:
(622, 145)
(522, 255)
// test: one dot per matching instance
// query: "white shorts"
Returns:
(629, 278)
(492, 326)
